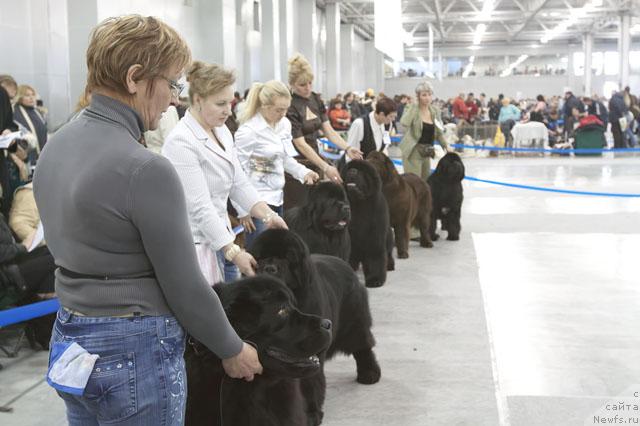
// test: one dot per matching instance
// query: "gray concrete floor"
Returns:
(530, 319)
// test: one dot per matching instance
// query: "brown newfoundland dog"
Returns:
(409, 200)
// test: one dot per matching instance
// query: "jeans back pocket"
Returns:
(112, 387)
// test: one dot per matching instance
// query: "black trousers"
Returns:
(37, 269)
(618, 135)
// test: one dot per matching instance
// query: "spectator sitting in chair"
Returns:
(340, 117)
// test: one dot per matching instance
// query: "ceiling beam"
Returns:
(534, 12)
(439, 19)
(504, 15)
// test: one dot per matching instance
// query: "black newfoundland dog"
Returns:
(371, 237)
(325, 286)
(322, 221)
(262, 310)
(446, 190)
(409, 199)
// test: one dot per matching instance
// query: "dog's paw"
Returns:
(453, 237)
(391, 264)
(435, 237)
(370, 375)
(403, 255)
(427, 244)
(373, 284)
(314, 418)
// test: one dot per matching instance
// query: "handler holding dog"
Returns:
(115, 220)
(423, 126)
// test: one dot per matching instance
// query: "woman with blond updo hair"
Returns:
(308, 116)
(265, 149)
(115, 219)
(203, 153)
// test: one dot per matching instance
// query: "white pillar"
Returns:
(623, 49)
(270, 40)
(347, 68)
(216, 29)
(440, 66)
(51, 62)
(82, 16)
(287, 33)
(588, 49)
(374, 68)
(430, 48)
(333, 50)
(306, 31)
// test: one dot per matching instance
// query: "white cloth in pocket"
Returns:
(70, 366)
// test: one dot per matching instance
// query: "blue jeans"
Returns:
(140, 377)
(260, 226)
(229, 269)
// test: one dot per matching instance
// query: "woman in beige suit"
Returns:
(423, 127)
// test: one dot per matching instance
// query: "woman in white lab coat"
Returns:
(201, 149)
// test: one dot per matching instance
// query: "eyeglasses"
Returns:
(176, 88)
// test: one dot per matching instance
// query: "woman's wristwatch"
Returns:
(232, 252)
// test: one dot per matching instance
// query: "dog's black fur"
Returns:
(446, 191)
(325, 286)
(322, 221)
(371, 236)
(262, 310)
(409, 199)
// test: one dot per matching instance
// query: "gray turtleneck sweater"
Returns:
(113, 209)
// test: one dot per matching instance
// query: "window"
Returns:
(611, 65)
(578, 63)
(634, 61)
(597, 63)
(608, 88)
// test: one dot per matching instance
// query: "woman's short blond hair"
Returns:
(425, 86)
(118, 43)
(299, 70)
(23, 90)
(263, 94)
(208, 79)
(7, 80)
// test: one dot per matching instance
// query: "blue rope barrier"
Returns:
(27, 312)
(562, 191)
(552, 150)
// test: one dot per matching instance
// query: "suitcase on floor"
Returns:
(590, 139)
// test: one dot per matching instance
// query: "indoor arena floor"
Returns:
(532, 318)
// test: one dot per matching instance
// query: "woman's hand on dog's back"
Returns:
(245, 365)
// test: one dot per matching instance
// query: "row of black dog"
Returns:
(379, 208)
(302, 308)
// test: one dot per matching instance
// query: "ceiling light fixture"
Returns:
(575, 15)
(512, 66)
(469, 67)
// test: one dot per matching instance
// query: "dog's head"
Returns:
(361, 180)
(262, 310)
(450, 168)
(283, 254)
(328, 207)
(383, 164)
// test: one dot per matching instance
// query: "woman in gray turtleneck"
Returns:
(115, 220)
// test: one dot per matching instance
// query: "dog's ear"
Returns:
(389, 166)
(243, 313)
(299, 260)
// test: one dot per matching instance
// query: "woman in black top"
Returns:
(25, 113)
(308, 116)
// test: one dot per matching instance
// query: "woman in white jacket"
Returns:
(202, 151)
(265, 150)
